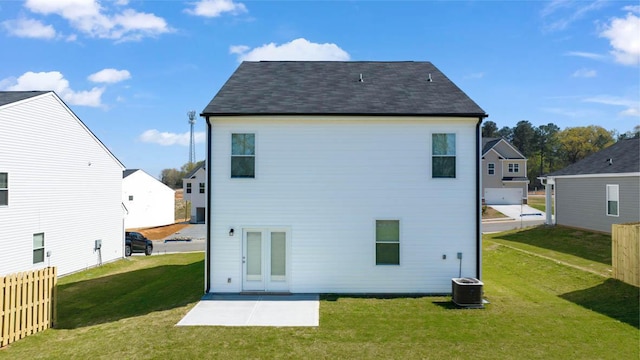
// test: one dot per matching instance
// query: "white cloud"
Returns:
(585, 73)
(55, 81)
(560, 14)
(478, 75)
(215, 8)
(632, 105)
(109, 76)
(298, 49)
(94, 20)
(167, 138)
(623, 35)
(587, 55)
(29, 28)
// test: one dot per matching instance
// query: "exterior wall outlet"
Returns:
(228, 280)
(444, 256)
(460, 255)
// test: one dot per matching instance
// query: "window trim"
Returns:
(5, 189)
(37, 249)
(255, 151)
(454, 156)
(490, 169)
(201, 188)
(188, 188)
(617, 200)
(376, 241)
(513, 168)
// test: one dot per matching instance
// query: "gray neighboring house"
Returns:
(598, 191)
(504, 173)
(194, 191)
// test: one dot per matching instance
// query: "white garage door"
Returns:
(502, 196)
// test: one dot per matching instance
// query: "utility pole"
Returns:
(192, 146)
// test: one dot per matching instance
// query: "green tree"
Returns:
(578, 142)
(506, 133)
(173, 177)
(490, 129)
(524, 138)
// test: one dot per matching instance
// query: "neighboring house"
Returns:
(194, 191)
(148, 202)
(504, 173)
(60, 188)
(342, 177)
(598, 191)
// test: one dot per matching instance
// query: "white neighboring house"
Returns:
(60, 188)
(342, 177)
(147, 201)
(504, 173)
(194, 190)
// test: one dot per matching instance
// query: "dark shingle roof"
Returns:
(128, 172)
(194, 170)
(621, 157)
(488, 143)
(8, 97)
(334, 87)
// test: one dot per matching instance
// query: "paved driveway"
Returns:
(520, 212)
(189, 239)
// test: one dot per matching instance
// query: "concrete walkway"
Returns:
(520, 212)
(254, 310)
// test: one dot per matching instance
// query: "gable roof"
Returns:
(8, 97)
(490, 143)
(334, 88)
(193, 172)
(128, 172)
(621, 157)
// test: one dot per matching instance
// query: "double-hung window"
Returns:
(443, 151)
(4, 188)
(613, 200)
(387, 242)
(243, 155)
(201, 188)
(514, 168)
(38, 248)
(188, 188)
(491, 168)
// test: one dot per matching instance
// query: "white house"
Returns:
(504, 173)
(342, 177)
(60, 188)
(147, 201)
(598, 191)
(194, 191)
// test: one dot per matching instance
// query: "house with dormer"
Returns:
(504, 173)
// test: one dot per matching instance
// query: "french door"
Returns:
(264, 260)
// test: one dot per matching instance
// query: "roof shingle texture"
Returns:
(8, 97)
(621, 157)
(334, 87)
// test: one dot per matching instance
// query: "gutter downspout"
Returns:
(207, 251)
(478, 201)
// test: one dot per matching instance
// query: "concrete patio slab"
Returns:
(520, 212)
(254, 310)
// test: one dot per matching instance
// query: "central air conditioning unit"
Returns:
(467, 292)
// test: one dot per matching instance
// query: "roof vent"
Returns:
(361, 79)
(610, 160)
(429, 79)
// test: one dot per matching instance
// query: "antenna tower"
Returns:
(192, 146)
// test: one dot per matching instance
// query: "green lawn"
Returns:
(537, 202)
(540, 309)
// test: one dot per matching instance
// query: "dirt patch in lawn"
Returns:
(491, 213)
(161, 232)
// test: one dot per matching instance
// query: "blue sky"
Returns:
(131, 70)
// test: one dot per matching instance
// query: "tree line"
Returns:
(548, 148)
(173, 177)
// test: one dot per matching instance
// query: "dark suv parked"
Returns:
(134, 242)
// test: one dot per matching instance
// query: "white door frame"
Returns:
(265, 281)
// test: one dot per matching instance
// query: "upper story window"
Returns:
(387, 242)
(443, 151)
(613, 200)
(514, 168)
(130, 197)
(243, 155)
(188, 188)
(4, 188)
(201, 188)
(491, 168)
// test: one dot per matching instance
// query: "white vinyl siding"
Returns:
(613, 199)
(73, 195)
(154, 203)
(328, 179)
(4, 189)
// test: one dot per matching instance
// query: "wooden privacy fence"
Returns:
(27, 304)
(625, 252)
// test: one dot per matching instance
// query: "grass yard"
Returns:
(540, 309)
(537, 202)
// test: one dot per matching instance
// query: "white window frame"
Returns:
(514, 167)
(454, 156)
(491, 169)
(376, 242)
(188, 189)
(611, 198)
(201, 188)
(255, 151)
(40, 248)
(5, 188)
